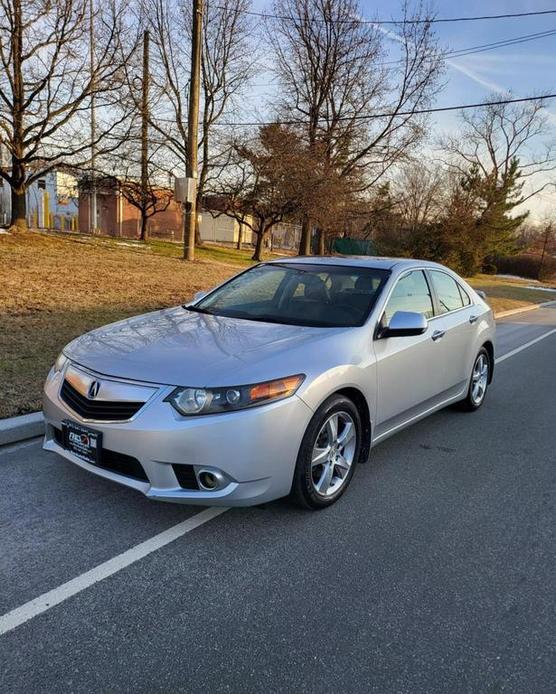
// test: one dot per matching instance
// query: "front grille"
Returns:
(186, 476)
(101, 410)
(120, 463)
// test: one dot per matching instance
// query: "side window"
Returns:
(447, 291)
(464, 296)
(411, 293)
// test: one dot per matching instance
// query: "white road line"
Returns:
(45, 602)
(517, 350)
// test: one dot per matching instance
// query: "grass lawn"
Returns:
(54, 287)
(504, 294)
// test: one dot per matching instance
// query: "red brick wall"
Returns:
(166, 224)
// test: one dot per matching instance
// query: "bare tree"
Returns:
(504, 156)
(335, 83)
(227, 64)
(46, 87)
(420, 191)
(265, 189)
(494, 137)
(141, 181)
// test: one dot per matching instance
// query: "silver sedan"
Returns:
(276, 383)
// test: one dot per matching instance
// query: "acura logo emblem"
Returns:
(93, 389)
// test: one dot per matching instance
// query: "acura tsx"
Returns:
(278, 382)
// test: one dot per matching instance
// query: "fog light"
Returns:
(208, 480)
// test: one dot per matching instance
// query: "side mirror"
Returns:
(405, 324)
(199, 295)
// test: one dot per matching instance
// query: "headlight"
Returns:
(194, 401)
(60, 362)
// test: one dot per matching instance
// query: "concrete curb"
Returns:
(522, 309)
(28, 426)
(15, 429)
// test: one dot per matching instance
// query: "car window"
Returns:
(464, 296)
(260, 283)
(299, 294)
(411, 293)
(447, 291)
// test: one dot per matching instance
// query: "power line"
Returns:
(470, 50)
(396, 114)
(431, 20)
(500, 44)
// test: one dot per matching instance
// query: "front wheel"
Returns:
(478, 383)
(328, 454)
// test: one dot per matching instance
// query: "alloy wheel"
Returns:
(333, 454)
(479, 379)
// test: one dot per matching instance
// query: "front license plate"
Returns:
(82, 442)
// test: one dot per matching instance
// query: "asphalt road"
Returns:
(434, 573)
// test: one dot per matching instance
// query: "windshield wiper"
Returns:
(196, 309)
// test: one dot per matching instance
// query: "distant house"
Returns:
(51, 201)
(223, 229)
(116, 216)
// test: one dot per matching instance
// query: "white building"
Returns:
(52, 201)
(225, 229)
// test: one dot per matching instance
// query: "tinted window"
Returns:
(299, 294)
(411, 293)
(447, 291)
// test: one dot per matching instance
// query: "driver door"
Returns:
(407, 367)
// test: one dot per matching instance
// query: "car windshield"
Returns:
(298, 294)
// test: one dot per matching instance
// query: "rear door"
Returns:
(458, 315)
(407, 367)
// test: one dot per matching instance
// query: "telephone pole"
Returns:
(193, 130)
(93, 191)
(145, 136)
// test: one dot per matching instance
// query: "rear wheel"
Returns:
(328, 454)
(478, 383)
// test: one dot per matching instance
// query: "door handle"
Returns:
(437, 334)
(473, 319)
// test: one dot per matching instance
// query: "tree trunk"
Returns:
(19, 209)
(321, 240)
(239, 236)
(258, 254)
(18, 183)
(144, 227)
(305, 242)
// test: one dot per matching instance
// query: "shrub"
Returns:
(527, 265)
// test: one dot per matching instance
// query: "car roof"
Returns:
(357, 261)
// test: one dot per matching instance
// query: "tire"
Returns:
(317, 485)
(476, 397)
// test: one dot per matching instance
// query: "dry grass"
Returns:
(54, 287)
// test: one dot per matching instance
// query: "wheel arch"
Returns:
(488, 345)
(360, 402)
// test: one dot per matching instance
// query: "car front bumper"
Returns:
(255, 450)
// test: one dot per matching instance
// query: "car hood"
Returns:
(179, 347)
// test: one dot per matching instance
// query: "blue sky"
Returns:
(526, 69)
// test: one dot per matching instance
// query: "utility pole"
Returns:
(145, 136)
(93, 192)
(193, 130)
